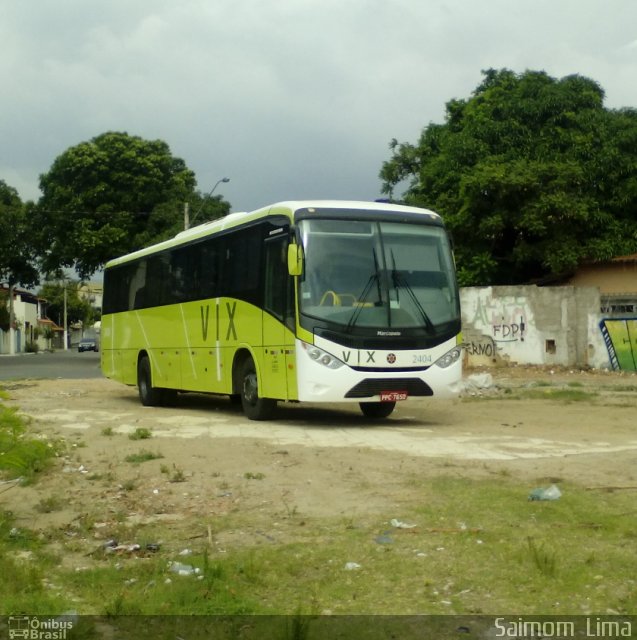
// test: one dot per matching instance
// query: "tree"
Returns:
(113, 194)
(532, 175)
(77, 309)
(17, 252)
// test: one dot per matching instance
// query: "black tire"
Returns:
(254, 407)
(377, 410)
(149, 396)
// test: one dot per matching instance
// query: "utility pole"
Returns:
(186, 216)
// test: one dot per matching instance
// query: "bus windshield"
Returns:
(378, 274)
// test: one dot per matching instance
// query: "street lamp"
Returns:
(187, 220)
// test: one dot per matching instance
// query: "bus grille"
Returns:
(375, 386)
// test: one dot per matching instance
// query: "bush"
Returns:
(31, 347)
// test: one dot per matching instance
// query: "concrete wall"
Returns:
(533, 325)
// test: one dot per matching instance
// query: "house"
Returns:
(616, 280)
(31, 326)
(92, 292)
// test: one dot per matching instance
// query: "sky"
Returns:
(289, 99)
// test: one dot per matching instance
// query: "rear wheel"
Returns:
(377, 409)
(149, 396)
(254, 407)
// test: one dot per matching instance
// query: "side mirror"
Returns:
(295, 259)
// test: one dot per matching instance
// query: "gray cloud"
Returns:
(289, 98)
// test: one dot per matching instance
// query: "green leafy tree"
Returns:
(532, 175)
(77, 308)
(17, 251)
(113, 194)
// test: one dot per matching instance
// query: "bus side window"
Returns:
(209, 266)
(136, 294)
(180, 274)
(275, 298)
(158, 291)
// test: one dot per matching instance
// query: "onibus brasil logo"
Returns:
(38, 628)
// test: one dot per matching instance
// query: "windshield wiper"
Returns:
(399, 281)
(361, 299)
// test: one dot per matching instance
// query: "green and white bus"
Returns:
(317, 301)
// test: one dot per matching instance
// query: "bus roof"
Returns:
(286, 208)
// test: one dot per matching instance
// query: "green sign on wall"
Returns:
(620, 335)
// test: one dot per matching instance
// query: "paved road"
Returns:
(61, 364)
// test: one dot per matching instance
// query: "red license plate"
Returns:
(393, 396)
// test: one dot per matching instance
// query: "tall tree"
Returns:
(113, 194)
(77, 309)
(532, 175)
(17, 252)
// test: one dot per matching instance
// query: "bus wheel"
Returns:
(149, 395)
(377, 409)
(254, 407)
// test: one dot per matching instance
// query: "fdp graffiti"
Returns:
(509, 332)
(506, 317)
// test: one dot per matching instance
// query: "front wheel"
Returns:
(254, 407)
(377, 409)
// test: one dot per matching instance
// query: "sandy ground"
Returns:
(316, 461)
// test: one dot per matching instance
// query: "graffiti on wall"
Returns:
(620, 336)
(505, 318)
(480, 345)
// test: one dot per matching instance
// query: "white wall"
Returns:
(533, 325)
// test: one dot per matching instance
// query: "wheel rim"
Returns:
(143, 384)
(250, 388)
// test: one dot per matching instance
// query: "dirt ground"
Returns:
(311, 460)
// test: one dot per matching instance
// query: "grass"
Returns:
(143, 456)
(20, 455)
(562, 395)
(542, 390)
(176, 475)
(141, 433)
(249, 475)
(50, 504)
(479, 547)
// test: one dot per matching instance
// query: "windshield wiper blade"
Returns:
(361, 299)
(399, 281)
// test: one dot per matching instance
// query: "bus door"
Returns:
(278, 373)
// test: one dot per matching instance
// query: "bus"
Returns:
(308, 301)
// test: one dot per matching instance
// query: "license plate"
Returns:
(393, 396)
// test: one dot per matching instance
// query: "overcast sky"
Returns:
(287, 98)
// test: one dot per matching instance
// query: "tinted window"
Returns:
(224, 265)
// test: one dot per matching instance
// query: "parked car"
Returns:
(88, 344)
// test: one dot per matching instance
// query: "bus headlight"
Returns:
(322, 357)
(449, 358)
